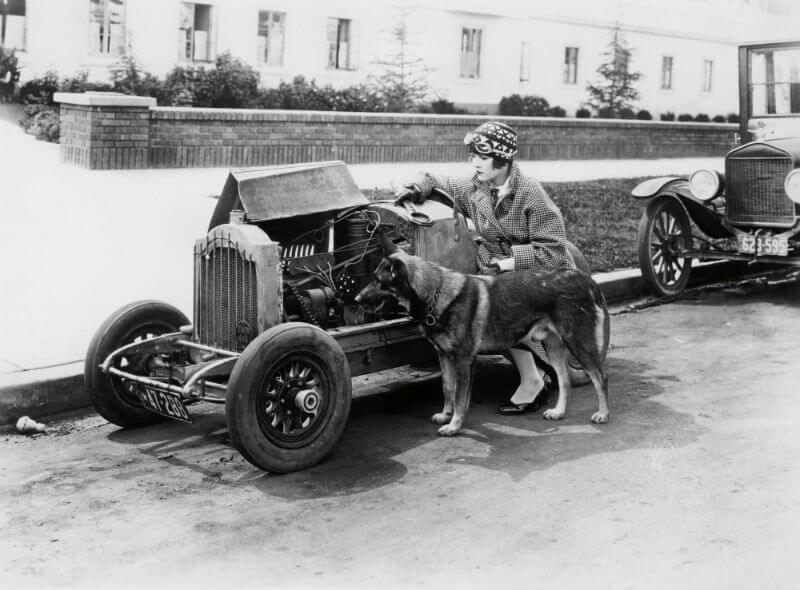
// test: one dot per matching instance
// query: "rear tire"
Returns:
(288, 398)
(140, 320)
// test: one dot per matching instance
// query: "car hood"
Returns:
(770, 149)
(283, 192)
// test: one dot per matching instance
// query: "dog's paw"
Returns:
(600, 418)
(553, 414)
(441, 418)
(448, 430)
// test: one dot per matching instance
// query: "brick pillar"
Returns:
(105, 130)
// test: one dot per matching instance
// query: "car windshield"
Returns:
(775, 81)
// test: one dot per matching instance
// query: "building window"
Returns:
(666, 73)
(708, 68)
(471, 53)
(571, 65)
(271, 31)
(106, 33)
(12, 24)
(340, 44)
(525, 62)
(196, 38)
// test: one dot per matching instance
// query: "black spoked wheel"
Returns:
(115, 400)
(289, 398)
(665, 234)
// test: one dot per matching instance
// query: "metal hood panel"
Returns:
(281, 192)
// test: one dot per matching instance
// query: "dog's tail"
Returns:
(605, 320)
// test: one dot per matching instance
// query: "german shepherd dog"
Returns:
(464, 315)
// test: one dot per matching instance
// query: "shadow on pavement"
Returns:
(389, 435)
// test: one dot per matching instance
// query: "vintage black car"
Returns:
(752, 210)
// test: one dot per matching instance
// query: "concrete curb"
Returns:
(46, 391)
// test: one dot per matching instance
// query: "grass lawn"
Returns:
(601, 219)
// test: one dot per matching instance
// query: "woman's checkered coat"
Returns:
(526, 224)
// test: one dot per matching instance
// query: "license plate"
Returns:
(764, 245)
(166, 404)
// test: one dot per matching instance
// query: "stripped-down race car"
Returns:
(277, 335)
(752, 211)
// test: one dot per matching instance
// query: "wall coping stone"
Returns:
(104, 99)
(221, 114)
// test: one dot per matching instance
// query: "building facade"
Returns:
(473, 53)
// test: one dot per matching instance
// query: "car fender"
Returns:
(705, 216)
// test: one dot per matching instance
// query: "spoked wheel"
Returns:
(665, 234)
(114, 399)
(288, 397)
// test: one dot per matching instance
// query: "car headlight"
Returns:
(792, 185)
(705, 184)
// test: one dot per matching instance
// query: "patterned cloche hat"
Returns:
(493, 139)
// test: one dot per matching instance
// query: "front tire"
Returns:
(288, 398)
(134, 322)
(665, 233)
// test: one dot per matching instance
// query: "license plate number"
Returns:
(764, 245)
(166, 404)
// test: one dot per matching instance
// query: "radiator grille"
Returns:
(226, 306)
(754, 191)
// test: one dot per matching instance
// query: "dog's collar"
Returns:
(431, 318)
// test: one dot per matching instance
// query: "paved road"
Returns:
(693, 484)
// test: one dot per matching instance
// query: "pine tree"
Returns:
(614, 92)
(401, 80)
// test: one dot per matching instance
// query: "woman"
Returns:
(519, 226)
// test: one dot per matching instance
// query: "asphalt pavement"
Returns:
(79, 244)
(691, 485)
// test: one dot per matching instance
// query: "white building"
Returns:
(475, 52)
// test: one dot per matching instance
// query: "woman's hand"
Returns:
(408, 193)
(503, 264)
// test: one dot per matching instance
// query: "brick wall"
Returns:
(134, 136)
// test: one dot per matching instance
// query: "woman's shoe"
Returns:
(511, 409)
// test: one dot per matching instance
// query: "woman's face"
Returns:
(486, 172)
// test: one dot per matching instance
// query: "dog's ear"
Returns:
(397, 265)
(389, 247)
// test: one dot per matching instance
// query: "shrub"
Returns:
(359, 98)
(644, 115)
(41, 121)
(556, 112)
(583, 113)
(41, 89)
(80, 83)
(232, 84)
(702, 118)
(718, 119)
(178, 86)
(299, 94)
(442, 106)
(129, 77)
(668, 116)
(685, 117)
(733, 117)
(526, 106)
(610, 113)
